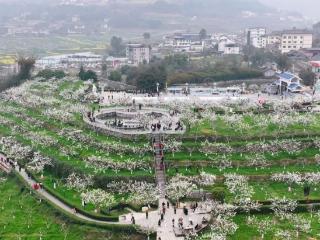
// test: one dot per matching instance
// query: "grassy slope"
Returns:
(20, 210)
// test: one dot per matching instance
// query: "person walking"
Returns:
(173, 222)
(147, 214)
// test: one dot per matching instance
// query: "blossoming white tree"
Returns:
(38, 162)
(178, 187)
(77, 182)
(99, 198)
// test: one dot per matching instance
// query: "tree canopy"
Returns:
(203, 34)
(87, 75)
(117, 47)
(115, 76)
(48, 74)
(308, 77)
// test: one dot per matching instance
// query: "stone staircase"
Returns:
(159, 163)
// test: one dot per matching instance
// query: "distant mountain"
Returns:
(216, 15)
(157, 15)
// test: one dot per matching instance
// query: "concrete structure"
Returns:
(185, 42)
(116, 62)
(295, 39)
(65, 61)
(138, 54)
(269, 72)
(256, 37)
(181, 40)
(227, 46)
(273, 39)
(231, 48)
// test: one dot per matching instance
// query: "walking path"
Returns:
(159, 164)
(167, 230)
(44, 194)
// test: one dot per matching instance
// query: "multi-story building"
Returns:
(227, 46)
(138, 54)
(185, 42)
(295, 39)
(273, 39)
(66, 61)
(256, 37)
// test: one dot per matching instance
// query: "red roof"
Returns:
(315, 64)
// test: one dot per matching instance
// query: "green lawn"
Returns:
(246, 232)
(24, 217)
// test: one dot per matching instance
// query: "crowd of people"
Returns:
(158, 127)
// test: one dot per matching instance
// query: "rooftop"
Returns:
(297, 31)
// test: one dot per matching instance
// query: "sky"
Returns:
(309, 8)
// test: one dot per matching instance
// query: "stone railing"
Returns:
(131, 133)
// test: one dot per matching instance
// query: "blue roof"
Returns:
(286, 75)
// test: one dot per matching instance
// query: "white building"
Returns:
(256, 37)
(295, 39)
(273, 38)
(227, 46)
(185, 42)
(67, 60)
(138, 54)
(116, 62)
(231, 48)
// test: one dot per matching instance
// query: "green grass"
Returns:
(246, 232)
(267, 190)
(74, 197)
(219, 128)
(25, 217)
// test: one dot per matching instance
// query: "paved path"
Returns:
(44, 194)
(101, 123)
(159, 163)
(165, 231)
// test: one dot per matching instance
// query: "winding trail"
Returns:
(46, 195)
(166, 231)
